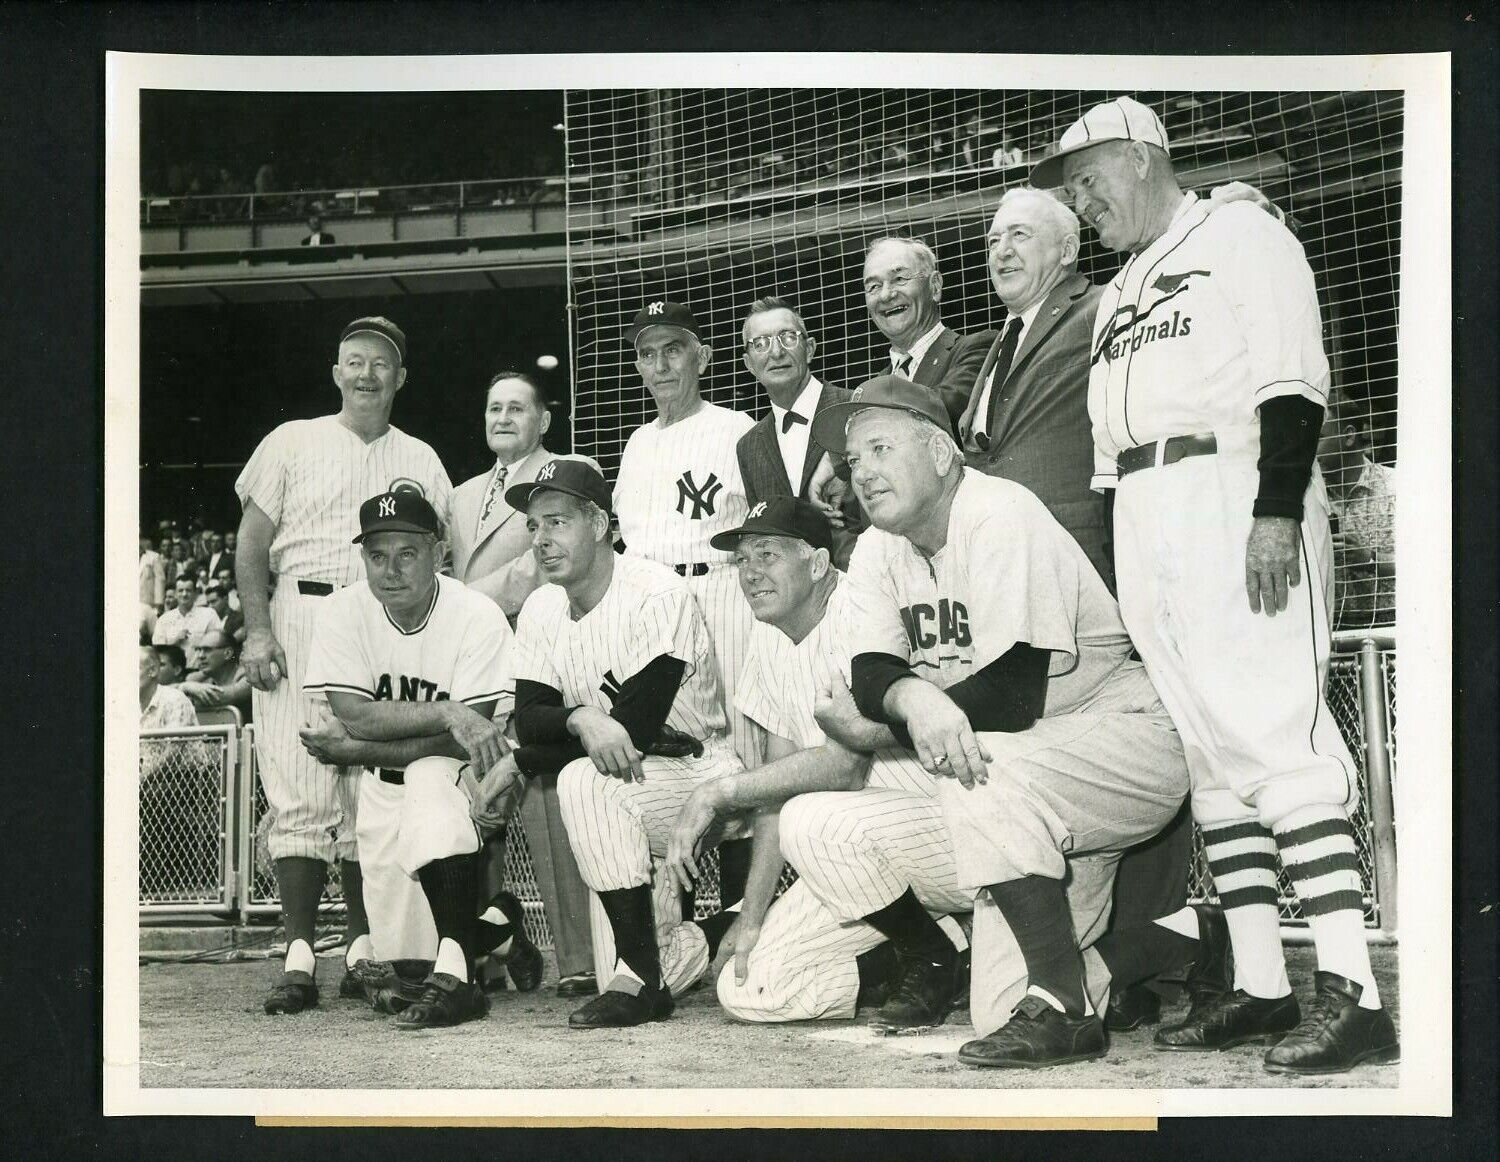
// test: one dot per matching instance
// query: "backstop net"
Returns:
(717, 196)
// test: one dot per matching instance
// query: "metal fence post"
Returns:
(1378, 769)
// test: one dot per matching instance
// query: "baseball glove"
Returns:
(672, 743)
(387, 990)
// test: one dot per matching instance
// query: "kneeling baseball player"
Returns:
(863, 830)
(413, 665)
(985, 641)
(616, 689)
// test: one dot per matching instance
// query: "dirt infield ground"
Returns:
(202, 1026)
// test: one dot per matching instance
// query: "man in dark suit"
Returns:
(1028, 417)
(316, 235)
(903, 287)
(215, 555)
(778, 456)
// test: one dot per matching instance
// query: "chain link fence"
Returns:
(187, 778)
(204, 817)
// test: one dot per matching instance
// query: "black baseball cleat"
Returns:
(878, 968)
(1231, 1019)
(383, 986)
(349, 987)
(1035, 1037)
(616, 1008)
(524, 962)
(578, 984)
(1132, 1007)
(445, 1001)
(921, 996)
(1336, 1034)
(294, 992)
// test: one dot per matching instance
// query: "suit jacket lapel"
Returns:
(928, 371)
(814, 453)
(523, 472)
(765, 459)
(1053, 309)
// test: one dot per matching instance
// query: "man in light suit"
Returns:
(778, 456)
(903, 287)
(492, 553)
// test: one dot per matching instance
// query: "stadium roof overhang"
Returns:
(261, 275)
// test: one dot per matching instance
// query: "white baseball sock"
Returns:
(300, 958)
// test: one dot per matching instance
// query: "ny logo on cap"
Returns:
(758, 510)
(548, 471)
(387, 506)
(656, 308)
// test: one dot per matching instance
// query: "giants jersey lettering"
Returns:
(679, 486)
(1215, 317)
(461, 650)
(647, 611)
(779, 687)
(311, 476)
(1009, 573)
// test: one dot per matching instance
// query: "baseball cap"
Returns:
(1123, 119)
(895, 392)
(576, 477)
(663, 313)
(403, 511)
(378, 325)
(782, 516)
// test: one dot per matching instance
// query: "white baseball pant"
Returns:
(314, 806)
(1245, 690)
(616, 827)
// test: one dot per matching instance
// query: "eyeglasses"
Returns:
(786, 340)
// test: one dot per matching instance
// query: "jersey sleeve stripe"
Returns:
(321, 687)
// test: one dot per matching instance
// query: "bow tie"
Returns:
(789, 419)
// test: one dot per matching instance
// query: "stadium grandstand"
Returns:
(500, 227)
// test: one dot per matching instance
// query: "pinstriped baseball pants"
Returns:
(315, 806)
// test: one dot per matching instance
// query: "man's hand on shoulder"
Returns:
(1273, 565)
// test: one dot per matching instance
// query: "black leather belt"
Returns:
(1174, 448)
(696, 569)
(314, 588)
(387, 775)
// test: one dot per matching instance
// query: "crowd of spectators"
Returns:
(190, 616)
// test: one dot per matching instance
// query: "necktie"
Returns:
(1010, 339)
(903, 366)
(497, 486)
(789, 419)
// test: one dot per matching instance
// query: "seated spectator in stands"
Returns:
(1362, 507)
(171, 664)
(153, 576)
(316, 235)
(161, 705)
(177, 626)
(231, 620)
(1007, 154)
(217, 678)
(180, 563)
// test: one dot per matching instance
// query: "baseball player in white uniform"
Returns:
(863, 829)
(1206, 396)
(413, 665)
(301, 492)
(612, 654)
(679, 484)
(985, 639)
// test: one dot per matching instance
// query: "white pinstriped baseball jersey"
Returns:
(311, 476)
(647, 611)
(680, 485)
(1009, 573)
(781, 679)
(460, 650)
(1198, 330)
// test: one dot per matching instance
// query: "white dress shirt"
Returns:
(793, 443)
(982, 412)
(918, 350)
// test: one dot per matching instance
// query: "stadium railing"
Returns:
(203, 815)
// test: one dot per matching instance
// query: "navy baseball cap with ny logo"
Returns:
(401, 511)
(782, 516)
(575, 476)
(663, 313)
